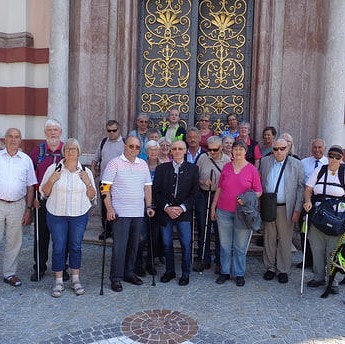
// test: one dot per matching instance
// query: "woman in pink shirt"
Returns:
(237, 177)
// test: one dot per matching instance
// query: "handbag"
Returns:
(327, 219)
(268, 200)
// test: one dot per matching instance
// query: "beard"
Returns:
(53, 141)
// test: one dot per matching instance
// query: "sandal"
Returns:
(57, 290)
(78, 289)
(13, 280)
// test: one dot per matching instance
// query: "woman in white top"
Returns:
(69, 190)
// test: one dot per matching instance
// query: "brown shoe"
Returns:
(116, 286)
(13, 280)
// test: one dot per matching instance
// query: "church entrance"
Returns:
(195, 56)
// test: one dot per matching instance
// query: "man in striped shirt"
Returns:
(126, 185)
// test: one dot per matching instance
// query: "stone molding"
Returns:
(16, 40)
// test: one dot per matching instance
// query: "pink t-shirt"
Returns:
(232, 185)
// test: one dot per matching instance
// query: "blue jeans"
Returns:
(126, 235)
(200, 214)
(184, 231)
(66, 232)
(233, 244)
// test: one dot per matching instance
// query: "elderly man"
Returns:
(126, 184)
(46, 153)
(110, 147)
(233, 127)
(278, 233)
(210, 167)
(174, 131)
(175, 187)
(141, 132)
(17, 180)
(193, 139)
(310, 163)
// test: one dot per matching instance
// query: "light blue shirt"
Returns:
(272, 179)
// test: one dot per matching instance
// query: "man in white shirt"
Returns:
(17, 180)
(310, 163)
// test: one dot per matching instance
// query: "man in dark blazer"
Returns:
(278, 233)
(175, 187)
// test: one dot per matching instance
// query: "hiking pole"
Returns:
(152, 255)
(206, 223)
(37, 237)
(304, 251)
(104, 246)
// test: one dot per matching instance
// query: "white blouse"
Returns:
(68, 195)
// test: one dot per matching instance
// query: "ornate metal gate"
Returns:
(195, 56)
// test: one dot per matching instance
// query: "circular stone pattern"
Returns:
(159, 326)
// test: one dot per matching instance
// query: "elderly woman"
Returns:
(204, 130)
(322, 245)
(164, 152)
(237, 177)
(268, 136)
(152, 151)
(227, 142)
(232, 123)
(253, 154)
(69, 190)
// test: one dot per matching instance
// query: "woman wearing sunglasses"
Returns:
(322, 245)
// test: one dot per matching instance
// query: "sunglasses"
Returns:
(177, 149)
(134, 147)
(112, 130)
(334, 156)
(204, 120)
(276, 149)
(143, 121)
(214, 150)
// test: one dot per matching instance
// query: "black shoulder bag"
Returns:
(268, 200)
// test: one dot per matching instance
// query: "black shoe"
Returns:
(107, 235)
(240, 282)
(65, 276)
(342, 281)
(314, 284)
(35, 278)
(269, 275)
(184, 280)
(306, 265)
(167, 277)
(151, 270)
(116, 286)
(334, 290)
(283, 278)
(222, 278)
(140, 271)
(133, 280)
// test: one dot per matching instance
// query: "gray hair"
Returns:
(151, 144)
(214, 139)
(288, 138)
(50, 122)
(16, 129)
(71, 142)
(143, 115)
(164, 139)
(227, 137)
(193, 129)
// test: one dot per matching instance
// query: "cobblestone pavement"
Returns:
(202, 312)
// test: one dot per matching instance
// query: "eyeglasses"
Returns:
(112, 130)
(177, 149)
(276, 149)
(134, 147)
(214, 150)
(143, 121)
(72, 149)
(334, 156)
(203, 120)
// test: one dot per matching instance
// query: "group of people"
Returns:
(157, 180)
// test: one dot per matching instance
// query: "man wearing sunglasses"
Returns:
(175, 188)
(278, 233)
(109, 148)
(126, 185)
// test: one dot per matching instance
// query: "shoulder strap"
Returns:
(42, 152)
(103, 143)
(281, 174)
(341, 175)
(323, 171)
(214, 163)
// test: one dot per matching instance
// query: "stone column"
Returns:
(58, 63)
(333, 96)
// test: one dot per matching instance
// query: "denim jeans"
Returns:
(200, 214)
(233, 244)
(126, 235)
(184, 231)
(66, 232)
